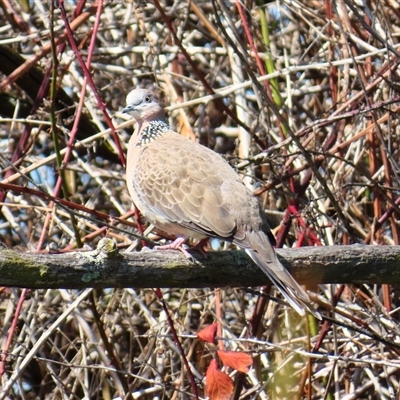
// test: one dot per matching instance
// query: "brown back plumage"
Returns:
(187, 189)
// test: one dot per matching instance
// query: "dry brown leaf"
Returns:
(208, 333)
(219, 385)
(236, 360)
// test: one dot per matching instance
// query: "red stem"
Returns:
(250, 40)
(86, 72)
(11, 332)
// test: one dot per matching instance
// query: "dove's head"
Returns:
(144, 105)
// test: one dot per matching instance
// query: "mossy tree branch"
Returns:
(107, 267)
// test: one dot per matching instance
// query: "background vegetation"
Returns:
(300, 96)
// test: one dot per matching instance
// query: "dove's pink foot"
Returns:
(177, 244)
(201, 245)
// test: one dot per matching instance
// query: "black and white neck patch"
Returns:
(153, 130)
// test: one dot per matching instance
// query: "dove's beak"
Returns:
(128, 109)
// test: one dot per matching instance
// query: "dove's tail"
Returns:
(263, 254)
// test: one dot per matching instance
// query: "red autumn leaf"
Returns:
(236, 360)
(218, 386)
(208, 333)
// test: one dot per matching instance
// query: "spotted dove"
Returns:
(188, 190)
